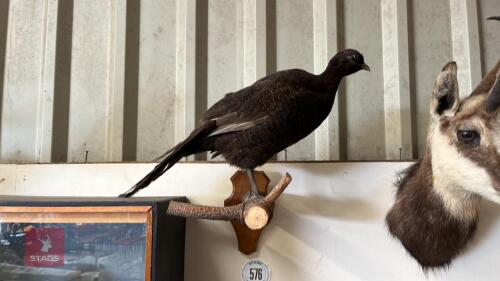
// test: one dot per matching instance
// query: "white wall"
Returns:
(328, 225)
(124, 80)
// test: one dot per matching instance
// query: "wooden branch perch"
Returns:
(254, 212)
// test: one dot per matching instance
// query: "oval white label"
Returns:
(255, 270)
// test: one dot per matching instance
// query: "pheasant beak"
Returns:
(365, 67)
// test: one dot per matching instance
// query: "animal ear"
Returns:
(485, 85)
(493, 99)
(445, 97)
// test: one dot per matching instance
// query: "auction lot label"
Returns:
(255, 270)
(44, 247)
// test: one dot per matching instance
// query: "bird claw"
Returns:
(251, 195)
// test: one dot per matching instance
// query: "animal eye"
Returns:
(469, 137)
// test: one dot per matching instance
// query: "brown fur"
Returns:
(485, 85)
(421, 217)
(472, 113)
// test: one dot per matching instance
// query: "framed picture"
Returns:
(91, 239)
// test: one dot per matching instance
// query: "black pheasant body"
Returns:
(280, 110)
(251, 125)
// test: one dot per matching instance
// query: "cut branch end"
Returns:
(255, 212)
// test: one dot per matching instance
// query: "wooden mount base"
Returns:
(248, 215)
(248, 233)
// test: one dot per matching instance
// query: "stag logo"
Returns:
(44, 247)
(46, 244)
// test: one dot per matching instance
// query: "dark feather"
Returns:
(175, 154)
(251, 125)
(235, 125)
(214, 154)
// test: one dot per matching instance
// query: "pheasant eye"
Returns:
(356, 58)
(469, 137)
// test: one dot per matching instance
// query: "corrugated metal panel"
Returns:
(125, 80)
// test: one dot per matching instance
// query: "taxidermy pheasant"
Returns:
(251, 125)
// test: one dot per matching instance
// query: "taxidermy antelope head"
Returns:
(437, 202)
